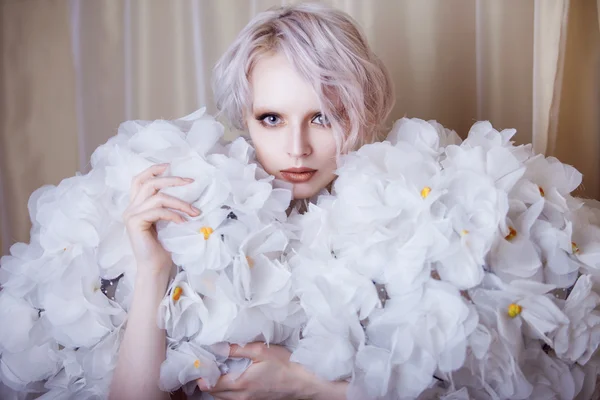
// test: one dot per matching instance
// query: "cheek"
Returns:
(327, 148)
(267, 148)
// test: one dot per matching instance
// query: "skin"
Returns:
(287, 127)
(288, 131)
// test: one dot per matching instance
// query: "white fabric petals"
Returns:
(65, 296)
(436, 268)
(579, 340)
(468, 247)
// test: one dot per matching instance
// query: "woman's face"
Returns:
(293, 139)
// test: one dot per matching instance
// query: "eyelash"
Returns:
(261, 120)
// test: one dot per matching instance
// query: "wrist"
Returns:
(153, 278)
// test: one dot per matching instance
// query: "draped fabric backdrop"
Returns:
(71, 71)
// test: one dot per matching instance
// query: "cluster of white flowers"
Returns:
(454, 269)
(65, 295)
(437, 268)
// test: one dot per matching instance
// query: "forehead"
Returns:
(276, 85)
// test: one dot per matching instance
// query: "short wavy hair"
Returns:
(326, 48)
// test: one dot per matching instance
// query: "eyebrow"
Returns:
(266, 110)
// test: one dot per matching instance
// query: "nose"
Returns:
(299, 142)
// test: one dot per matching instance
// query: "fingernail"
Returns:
(188, 180)
(197, 211)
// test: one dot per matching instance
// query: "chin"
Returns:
(300, 193)
(306, 191)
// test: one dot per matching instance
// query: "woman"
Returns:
(302, 81)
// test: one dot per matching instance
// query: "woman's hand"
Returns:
(146, 207)
(143, 348)
(272, 377)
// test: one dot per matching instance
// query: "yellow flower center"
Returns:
(464, 232)
(575, 248)
(206, 231)
(425, 192)
(197, 364)
(511, 234)
(542, 193)
(250, 261)
(514, 310)
(177, 293)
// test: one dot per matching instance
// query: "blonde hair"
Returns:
(327, 49)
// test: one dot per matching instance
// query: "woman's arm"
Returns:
(143, 348)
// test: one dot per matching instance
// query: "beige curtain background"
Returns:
(71, 71)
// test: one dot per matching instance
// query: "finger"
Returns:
(153, 185)
(143, 176)
(254, 351)
(144, 219)
(162, 200)
(224, 384)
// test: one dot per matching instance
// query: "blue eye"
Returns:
(320, 119)
(270, 120)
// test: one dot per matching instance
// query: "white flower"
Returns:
(495, 373)
(373, 378)
(586, 237)
(198, 245)
(182, 312)
(551, 378)
(114, 253)
(79, 312)
(328, 346)
(513, 254)
(261, 286)
(314, 229)
(204, 316)
(19, 271)
(428, 137)
(579, 340)
(210, 189)
(384, 199)
(248, 192)
(17, 318)
(190, 361)
(329, 287)
(203, 131)
(560, 269)
(19, 370)
(427, 329)
(552, 181)
(491, 160)
(73, 213)
(475, 210)
(520, 307)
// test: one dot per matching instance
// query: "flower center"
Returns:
(575, 248)
(197, 364)
(512, 233)
(514, 310)
(425, 192)
(206, 231)
(177, 293)
(542, 193)
(250, 261)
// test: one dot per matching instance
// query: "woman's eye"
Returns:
(270, 120)
(321, 120)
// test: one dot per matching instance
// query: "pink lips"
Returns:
(298, 175)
